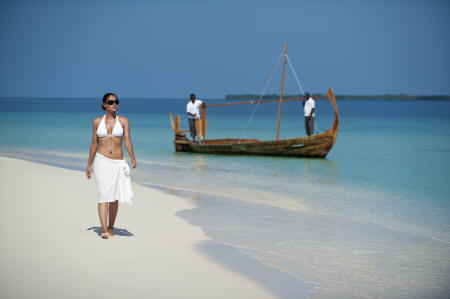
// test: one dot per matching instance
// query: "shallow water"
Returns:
(372, 219)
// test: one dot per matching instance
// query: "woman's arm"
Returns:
(127, 140)
(93, 148)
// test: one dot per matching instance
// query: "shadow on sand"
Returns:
(117, 231)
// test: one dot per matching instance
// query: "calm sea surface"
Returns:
(372, 219)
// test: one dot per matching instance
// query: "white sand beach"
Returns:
(50, 247)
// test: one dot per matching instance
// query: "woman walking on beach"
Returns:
(111, 172)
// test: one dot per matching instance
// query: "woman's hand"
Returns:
(133, 163)
(88, 172)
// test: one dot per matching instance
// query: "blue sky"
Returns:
(172, 48)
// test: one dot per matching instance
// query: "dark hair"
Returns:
(192, 95)
(106, 96)
(307, 96)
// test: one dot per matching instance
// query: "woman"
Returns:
(111, 172)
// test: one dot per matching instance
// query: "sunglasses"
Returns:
(110, 102)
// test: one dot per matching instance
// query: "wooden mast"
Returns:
(203, 120)
(281, 93)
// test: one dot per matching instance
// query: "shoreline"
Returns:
(209, 254)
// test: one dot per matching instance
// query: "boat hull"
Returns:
(316, 146)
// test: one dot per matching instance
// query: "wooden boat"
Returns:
(316, 146)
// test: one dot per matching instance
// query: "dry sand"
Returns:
(50, 247)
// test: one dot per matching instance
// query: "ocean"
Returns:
(372, 219)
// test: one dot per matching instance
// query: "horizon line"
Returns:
(231, 95)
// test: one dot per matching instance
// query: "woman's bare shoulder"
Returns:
(123, 120)
(97, 120)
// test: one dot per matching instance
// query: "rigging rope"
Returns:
(295, 75)
(262, 93)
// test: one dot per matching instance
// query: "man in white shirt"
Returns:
(193, 114)
(309, 105)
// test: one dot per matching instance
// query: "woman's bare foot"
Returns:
(111, 232)
(105, 235)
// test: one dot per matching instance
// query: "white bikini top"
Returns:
(117, 131)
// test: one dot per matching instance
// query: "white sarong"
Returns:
(112, 178)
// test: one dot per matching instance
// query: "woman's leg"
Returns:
(113, 208)
(103, 215)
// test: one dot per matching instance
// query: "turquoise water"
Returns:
(372, 219)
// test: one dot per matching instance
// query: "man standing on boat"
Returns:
(193, 114)
(309, 107)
